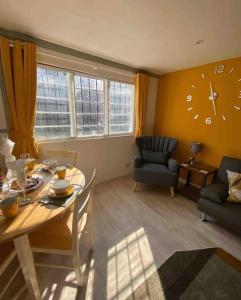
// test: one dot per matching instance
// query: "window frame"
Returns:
(71, 101)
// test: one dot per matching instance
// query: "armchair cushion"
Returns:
(137, 161)
(173, 165)
(215, 192)
(155, 174)
(155, 157)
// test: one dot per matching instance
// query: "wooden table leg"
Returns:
(25, 256)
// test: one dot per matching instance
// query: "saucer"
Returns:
(67, 192)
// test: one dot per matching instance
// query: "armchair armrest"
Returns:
(173, 165)
(215, 192)
(137, 161)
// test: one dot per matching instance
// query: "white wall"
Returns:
(111, 156)
(151, 106)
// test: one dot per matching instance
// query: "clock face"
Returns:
(215, 91)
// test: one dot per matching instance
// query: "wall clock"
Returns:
(214, 95)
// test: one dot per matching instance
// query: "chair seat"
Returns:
(215, 192)
(155, 174)
(55, 234)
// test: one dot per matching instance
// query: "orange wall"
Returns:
(173, 119)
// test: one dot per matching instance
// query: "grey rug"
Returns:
(205, 274)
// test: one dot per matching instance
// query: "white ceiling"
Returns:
(156, 35)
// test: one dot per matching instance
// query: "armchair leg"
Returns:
(203, 217)
(135, 187)
(172, 191)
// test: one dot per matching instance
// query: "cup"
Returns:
(9, 207)
(30, 163)
(61, 172)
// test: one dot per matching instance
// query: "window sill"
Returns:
(96, 137)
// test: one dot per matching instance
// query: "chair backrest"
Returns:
(227, 163)
(63, 156)
(82, 213)
(156, 144)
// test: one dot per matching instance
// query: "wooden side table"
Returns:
(202, 170)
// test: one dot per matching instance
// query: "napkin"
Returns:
(6, 146)
(17, 166)
(6, 149)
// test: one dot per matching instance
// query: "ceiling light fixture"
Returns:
(198, 42)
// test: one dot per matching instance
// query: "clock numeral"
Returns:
(203, 76)
(195, 118)
(193, 86)
(231, 70)
(239, 79)
(219, 69)
(189, 98)
(224, 118)
(236, 107)
(208, 121)
(239, 94)
(190, 108)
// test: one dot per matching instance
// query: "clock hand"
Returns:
(211, 90)
(212, 97)
(214, 107)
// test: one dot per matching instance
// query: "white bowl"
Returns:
(60, 186)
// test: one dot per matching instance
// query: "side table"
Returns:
(202, 170)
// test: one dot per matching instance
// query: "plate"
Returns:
(69, 191)
(33, 183)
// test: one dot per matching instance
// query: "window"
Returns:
(52, 113)
(76, 105)
(89, 105)
(120, 107)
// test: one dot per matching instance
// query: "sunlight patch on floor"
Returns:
(90, 279)
(130, 262)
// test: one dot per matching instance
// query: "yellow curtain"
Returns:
(141, 90)
(19, 68)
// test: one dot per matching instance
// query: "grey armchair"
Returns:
(154, 164)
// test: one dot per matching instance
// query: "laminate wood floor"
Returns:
(134, 233)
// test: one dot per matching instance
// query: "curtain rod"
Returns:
(95, 66)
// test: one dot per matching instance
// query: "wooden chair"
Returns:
(63, 156)
(62, 234)
(9, 272)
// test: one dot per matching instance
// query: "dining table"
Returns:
(31, 217)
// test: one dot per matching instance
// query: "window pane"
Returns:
(121, 101)
(52, 109)
(89, 105)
